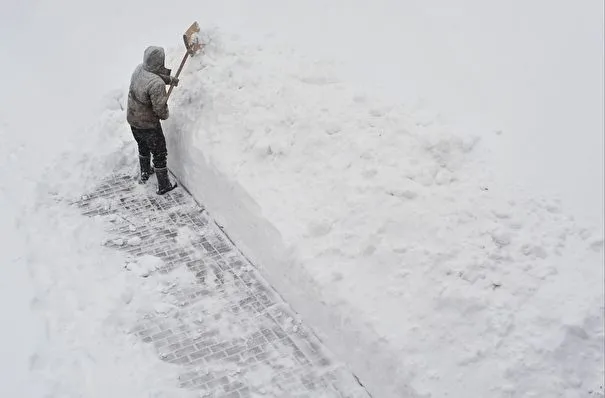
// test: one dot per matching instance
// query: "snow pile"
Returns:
(379, 223)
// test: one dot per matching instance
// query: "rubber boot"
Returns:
(146, 170)
(164, 184)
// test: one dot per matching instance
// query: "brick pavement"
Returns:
(232, 335)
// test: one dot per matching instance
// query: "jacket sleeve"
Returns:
(159, 99)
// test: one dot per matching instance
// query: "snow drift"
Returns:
(378, 223)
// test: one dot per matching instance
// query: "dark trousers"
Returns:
(151, 141)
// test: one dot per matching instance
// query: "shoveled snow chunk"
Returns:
(134, 241)
(145, 265)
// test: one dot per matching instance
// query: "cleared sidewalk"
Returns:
(229, 332)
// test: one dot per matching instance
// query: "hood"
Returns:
(153, 60)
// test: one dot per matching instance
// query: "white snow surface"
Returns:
(70, 306)
(395, 167)
(380, 223)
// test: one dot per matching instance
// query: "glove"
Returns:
(174, 81)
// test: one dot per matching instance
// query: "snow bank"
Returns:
(379, 224)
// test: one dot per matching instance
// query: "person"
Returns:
(147, 105)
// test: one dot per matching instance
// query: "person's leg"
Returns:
(159, 151)
(157, 145)
(142, 139)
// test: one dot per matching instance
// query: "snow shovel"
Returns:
(192, 46)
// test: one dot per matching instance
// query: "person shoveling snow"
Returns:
(147, 105)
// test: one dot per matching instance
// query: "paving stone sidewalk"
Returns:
(232, 336)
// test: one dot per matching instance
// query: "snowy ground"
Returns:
(402, 160)
(63, 295)
(228, 333)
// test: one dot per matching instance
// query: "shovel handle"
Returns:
(178, 72)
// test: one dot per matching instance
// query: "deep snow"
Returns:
(526, 79)
(387, 228)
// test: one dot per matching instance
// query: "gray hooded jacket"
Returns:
(147, 99)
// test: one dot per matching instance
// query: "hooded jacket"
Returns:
(147, 99)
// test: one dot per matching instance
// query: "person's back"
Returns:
(147, 105)
(147, 102)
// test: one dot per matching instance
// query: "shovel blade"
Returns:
(192, 39)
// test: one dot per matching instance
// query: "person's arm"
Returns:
(170, 80)
(159, 99)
